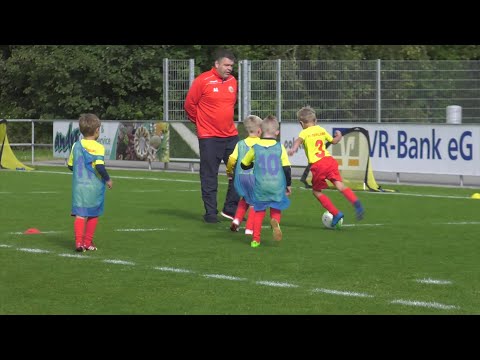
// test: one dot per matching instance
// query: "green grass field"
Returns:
(416, 252)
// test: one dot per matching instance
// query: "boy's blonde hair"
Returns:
(252, 124)
(88, 123)
(306, 115)
(270, 125)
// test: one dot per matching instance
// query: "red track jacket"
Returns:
(210, 104)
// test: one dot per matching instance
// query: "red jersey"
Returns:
(210, 104)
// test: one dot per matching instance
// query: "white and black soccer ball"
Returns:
(327, 218)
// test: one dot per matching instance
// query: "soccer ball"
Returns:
(327, 218)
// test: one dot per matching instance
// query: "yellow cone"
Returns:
(476, 196)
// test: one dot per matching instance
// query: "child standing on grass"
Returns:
(273, 178)
(323, 166)
(87, 161)
(244, 179)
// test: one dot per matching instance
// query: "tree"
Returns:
(115, 82)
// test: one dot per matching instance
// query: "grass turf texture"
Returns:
(157, 256)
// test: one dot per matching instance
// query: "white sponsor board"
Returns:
(410, 148)
(66, 133)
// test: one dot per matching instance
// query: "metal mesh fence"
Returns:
(345, 91)
(337, 90)
(420, 91)
(178, 75)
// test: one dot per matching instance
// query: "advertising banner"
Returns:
(449, 149)
(139, 141)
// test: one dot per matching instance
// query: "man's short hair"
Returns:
(224, 53)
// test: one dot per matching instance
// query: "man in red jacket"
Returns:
(210, 105)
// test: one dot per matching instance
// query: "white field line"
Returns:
(43, 192)
(161, 190)
(433, 281)
(118, 230)
(175, 270)
(37, 251)
(77, 256)
(164, 229)
(224, 277)
(241, 228)
(434, 305)
(276, 284)
(128, 177)
(419, 195)
(460, 223)
(343, 293)
(266, 283)
(356, 225)
(299, 187)
(158, 179)
(43, 232)
(32, 192)
(139, 230)
(119, 262)
(50, 172)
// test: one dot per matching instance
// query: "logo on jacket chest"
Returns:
(230, 89)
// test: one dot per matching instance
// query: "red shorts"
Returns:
(324, 169)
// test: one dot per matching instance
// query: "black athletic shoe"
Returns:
(211, 219)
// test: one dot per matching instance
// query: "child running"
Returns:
(323, 165)
(273, 179)
(244, 179)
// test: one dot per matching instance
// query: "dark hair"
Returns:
(223, 53)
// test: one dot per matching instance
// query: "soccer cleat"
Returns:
(307, 185)
(255, 244)
(359, 210)
(336, 219)
(80, 249)
(235, 225)
(91, 248)
(277, 232)
(248, 232)
(227, 215)
(211, 219)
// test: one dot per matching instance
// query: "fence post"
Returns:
(379, 91)
(279, 90)
(191, 65)
(246, 96)
(240, 110)
(33, 142)
(165, 90)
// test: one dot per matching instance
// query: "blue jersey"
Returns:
(88, 187)
(270, 183)
(244, 179)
